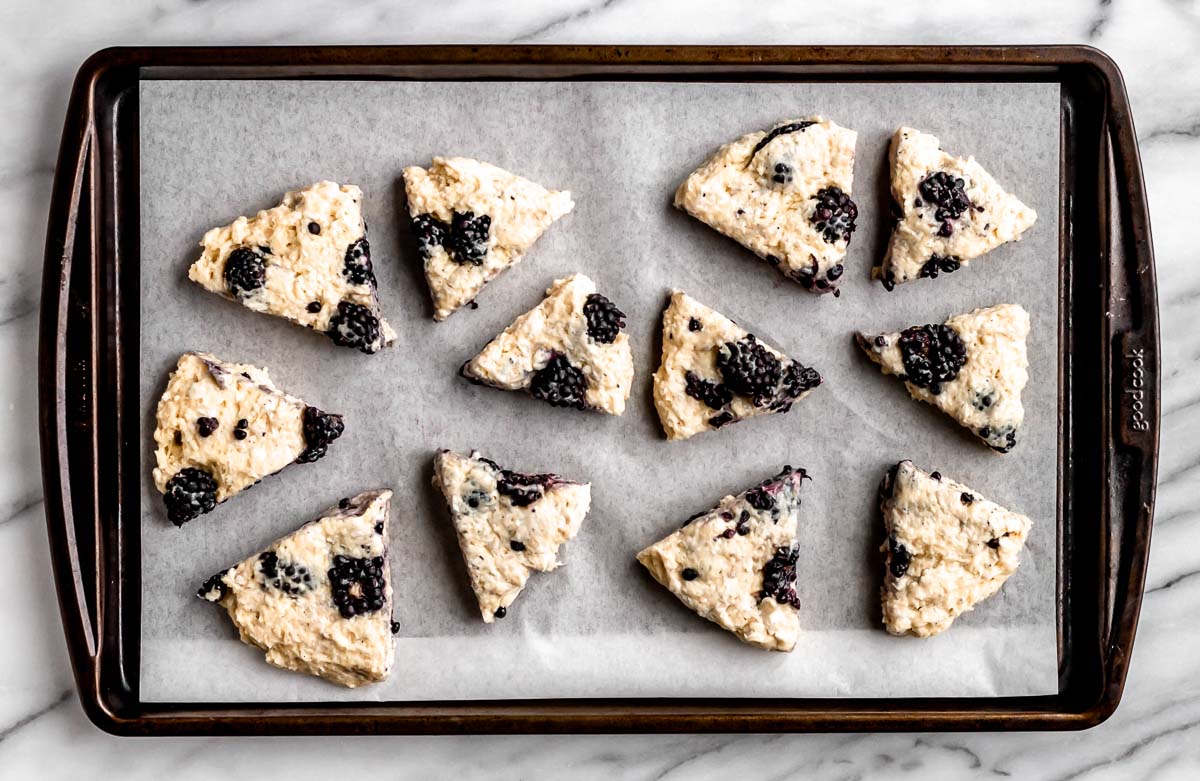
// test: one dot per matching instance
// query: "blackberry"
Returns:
(355, 326)
(949, 195)
(714, 395)
(604, 320)
(206, 426)
(937, 264)
(521, 490)
(190, 492)
(749, 369)
(320, 428)
(430, 232)
(779, 577)
(288, 577)
(782, 173)
(799, 379)
(933, 354)
(560, 383)
(245, 272)
(834, 215)
(215, 583)
(468, 237)
(357, 268)
(898, 557)
(779, 131)
(357, 584)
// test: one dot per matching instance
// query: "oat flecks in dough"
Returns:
(736, 564)
(973, 368)
(569, 351)
(473, 220)
(222, 427)
(784, 194)
(306, 260)
(319, 600)
(509, 524)
(947, 549)
(949, 211)
(700, 387)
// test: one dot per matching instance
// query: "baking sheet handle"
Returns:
(66, 383)
(1134, 371)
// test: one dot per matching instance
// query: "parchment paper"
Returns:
(599, 626)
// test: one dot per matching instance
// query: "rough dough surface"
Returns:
(763, 191)
(315, 261)
(947, 549)
(719, 563)
(693, 336)
(204, 387)
(919, 245)
(509, 524)
(282, 600)
(557, 331)
(985, 397)
(517, 211)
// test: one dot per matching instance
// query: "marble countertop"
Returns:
(1156, 731)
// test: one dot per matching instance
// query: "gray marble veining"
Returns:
(1154, 734)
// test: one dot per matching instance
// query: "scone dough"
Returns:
(947, 549)
(784, 194)
(306, 260)
(973, 368)
(319, 600)
(949, 211)
(695, 388)
(570, 351)
(736, 564)
(473, 220)
(509, 524)
(222, 427)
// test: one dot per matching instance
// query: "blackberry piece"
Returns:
(1006, 436)
(743, 524)
(215, 583)
(835, 271)
(779, 577)
(799, 379)
(722, 418)
(933, 354)
(560, 383)
(521, 490)
(948, 195)
(320, 428)
(966, 498)
(982, 401)
(501, 612)
(782, 174)
(887, 486)
(357, 585)
(695, 325)
(344, 503)
(604, 320)
(468, 237)
(314, 228)
(355, 326)
(356, 267)
(191, 492)
(689, 574)
(713, 394)
(806, 274)
(313, 307)
(206, 426)
(749, 369)
(516, 545)
(834, 215)
(795, 127)
(395, 627)
(239, 434)
(993, 543)
(290, 578)
(760, 500)
(937, 264)
(898, 557)
(245, 272)
(430, 232)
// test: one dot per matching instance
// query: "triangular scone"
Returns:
(472, 220)
(714, 372)
(508, 524)
(973, 368)
(306, 260)
(736, 564)
(569, 351)
(784, 194)
(319, 600)
(223, 427)
(947, 549)
(949, 211)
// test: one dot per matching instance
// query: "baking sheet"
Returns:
(599, 626)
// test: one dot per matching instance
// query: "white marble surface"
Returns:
(1154, 734)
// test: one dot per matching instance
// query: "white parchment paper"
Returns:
(599, 626)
